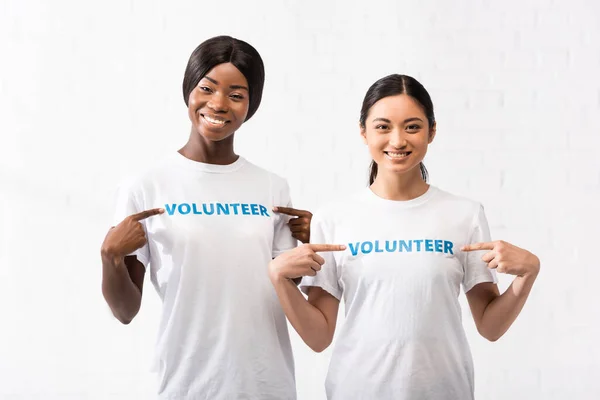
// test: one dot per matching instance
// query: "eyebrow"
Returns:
(405, 121)
(231, 87)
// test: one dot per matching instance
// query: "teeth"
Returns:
(214, 121)
(396, 155)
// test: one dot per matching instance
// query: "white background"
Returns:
(91, 92)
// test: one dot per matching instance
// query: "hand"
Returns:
(507, 258)
(300, 261)
(300, 226)
(128, 236)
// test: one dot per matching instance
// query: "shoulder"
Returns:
(141, 179)
(340, 208)
(462, 207)
(276, 181)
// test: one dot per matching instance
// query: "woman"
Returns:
(407, 249)
(203, 220)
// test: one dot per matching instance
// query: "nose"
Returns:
(398, 138)
(217, 103)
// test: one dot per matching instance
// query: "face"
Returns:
(397, 133)
(218, 105)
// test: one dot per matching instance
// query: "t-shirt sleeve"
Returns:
(126, 204)
(476, 270)
(282, 236)
(327, 278)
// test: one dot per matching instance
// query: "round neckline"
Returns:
(430, 192)
(205, 167)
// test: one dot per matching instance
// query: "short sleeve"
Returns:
(475, 270)
(126, 204)
(327, 278)
(282, 236)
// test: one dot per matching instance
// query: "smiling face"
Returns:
(218, 105)
(397, 133)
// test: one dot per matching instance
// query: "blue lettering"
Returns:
(222, 209)
(407, 247)
(245, 209)
(195, 210)
(185, 207)
(428, 245)
(387, 247)
(448, 247)
(254, 209)
(235, 208)
(377, 249)
(418, 242)
(212, 209)
(354, 249)
(364, 246)
(171, 209)
(438, 246)
(263, 211)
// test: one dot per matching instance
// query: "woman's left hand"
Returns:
(300, 225)
(507, 258)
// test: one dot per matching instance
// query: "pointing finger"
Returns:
(148, 213)
(478, 246)
(327, 247)
(292, 211)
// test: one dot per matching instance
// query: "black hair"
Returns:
(225, 49)
(393, 85)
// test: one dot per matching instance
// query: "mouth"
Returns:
(397, 155)
(214, 121)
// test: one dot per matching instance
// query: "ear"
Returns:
(363, 133)
(432, 132)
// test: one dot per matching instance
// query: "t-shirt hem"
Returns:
(477, 281)
(328, 288)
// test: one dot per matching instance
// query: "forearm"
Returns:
(121, 294)
(307, 320)
(500, 314)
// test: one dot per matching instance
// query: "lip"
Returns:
(206, 119)
(399, 159)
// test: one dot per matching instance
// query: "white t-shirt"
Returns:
(400, 278)
(223, 334)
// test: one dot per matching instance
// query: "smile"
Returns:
(397, 155)
(217, 122)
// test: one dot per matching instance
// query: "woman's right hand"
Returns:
(127, 236)
(300, 261)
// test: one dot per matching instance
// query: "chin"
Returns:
(214, 136)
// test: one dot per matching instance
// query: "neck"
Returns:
(200, 149)
(399, 187)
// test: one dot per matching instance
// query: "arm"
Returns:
(122, 285)
(494, 313)
(123, 275)
(315, 319)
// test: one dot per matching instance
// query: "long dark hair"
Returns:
(393, 85)
(225, 49)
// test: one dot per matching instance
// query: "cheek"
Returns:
(194, 100)
(241, 110)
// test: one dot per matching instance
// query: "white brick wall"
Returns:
(91, 91)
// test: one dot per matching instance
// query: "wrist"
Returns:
(110, 256)
(274, 274)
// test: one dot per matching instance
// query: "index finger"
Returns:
(148, 213)
(291, 211)
(327, 247)
(478, 246)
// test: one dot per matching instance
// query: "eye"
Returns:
(413, 128)
(236, 96)
(205, 89)
(382, 127)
